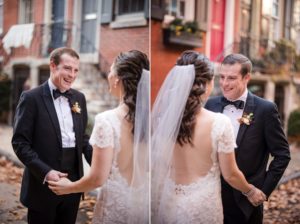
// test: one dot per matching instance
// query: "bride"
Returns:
(120, 147)
(191, 148)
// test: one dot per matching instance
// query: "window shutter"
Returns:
(107, 10)
(146, 8)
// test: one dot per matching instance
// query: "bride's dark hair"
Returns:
(129, 67)
(203, 74)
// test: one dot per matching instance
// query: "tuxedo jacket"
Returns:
(255, 143)
(37, 141)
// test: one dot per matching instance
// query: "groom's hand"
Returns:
(54, 175)
(63, 186)
(257, 198)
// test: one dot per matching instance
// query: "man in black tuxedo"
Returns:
(259, 134)
(49, 138)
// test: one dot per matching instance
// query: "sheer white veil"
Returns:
(166, 119)
(139, 186)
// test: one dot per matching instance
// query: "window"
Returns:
(201, 11)
(270, 21)
(130, 6)
(1, 16)
(275, 20)
(127, 13)
(245, 27)
(25, 11)
(180, 9)
(295, 20)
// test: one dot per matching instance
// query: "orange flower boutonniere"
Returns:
(246, 119)
(76, 108)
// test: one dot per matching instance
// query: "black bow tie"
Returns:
(239, 104)
(57, 93)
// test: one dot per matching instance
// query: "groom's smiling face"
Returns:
(64, 74)
(232, 83)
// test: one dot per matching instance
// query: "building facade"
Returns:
(258, 29)
(98, 29)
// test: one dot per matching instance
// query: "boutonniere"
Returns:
(76, 108)
(246, 119)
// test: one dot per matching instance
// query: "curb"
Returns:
(13, 159)
(294, 175)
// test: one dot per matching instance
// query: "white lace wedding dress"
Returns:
(112, 203)
(199, 202)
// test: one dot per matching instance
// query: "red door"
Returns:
(217, 29)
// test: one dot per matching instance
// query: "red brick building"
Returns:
(98, 29)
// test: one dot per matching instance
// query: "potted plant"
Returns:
(178, 31)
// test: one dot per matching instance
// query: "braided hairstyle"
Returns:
(129, 67)
(203, 75)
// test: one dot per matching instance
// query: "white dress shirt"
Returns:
(64, 115)
(234, 114)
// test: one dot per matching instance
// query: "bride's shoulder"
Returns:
(104, 115)
(217, 117)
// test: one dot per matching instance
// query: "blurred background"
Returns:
(29, 30)
(266, 31)
(98, 29)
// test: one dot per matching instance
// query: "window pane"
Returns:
(131, 6)
(25, 11)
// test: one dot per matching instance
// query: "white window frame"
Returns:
(23, 14)
(133, 19)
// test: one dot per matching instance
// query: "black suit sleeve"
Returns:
(87, 148)
(23, 130)
(278, 148)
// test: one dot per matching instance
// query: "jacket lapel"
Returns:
(47, 97)
(218, 107)
(249, 108)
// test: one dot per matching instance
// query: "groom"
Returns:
(49, 138)
(259, 134)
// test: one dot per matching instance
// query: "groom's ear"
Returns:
(247, 77)
(52, 65)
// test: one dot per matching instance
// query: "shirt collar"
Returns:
(243, 97)
(51, 86)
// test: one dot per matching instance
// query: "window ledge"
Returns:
(130, 20)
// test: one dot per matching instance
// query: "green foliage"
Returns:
(281, 59)
(283, 52)
(180, 27)
(294, 124)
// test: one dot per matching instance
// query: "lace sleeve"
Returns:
(102, 135)
(226, 141)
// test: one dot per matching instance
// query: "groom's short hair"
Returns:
(246, 65)
(58, 52)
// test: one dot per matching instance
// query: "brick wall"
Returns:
(114, 41)
(163, 57)
(10, 14)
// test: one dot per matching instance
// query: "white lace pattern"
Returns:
(112, 201)
(199, 202)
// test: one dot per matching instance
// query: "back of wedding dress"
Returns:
(114, 199)
(192, 190)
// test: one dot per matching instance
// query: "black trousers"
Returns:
(60, 209)
(232, 212)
